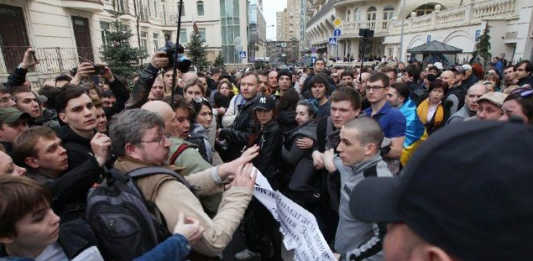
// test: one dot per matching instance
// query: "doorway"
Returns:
(82, 34)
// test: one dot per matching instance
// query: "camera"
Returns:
(99, 69)
(182, 63)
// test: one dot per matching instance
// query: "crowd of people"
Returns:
(122, 170)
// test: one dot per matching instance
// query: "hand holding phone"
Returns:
(29, 60)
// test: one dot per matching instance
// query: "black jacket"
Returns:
(121, 94)
(270, 141)
(526, 80)
(69, 191)
(237, 135)
(468, 82)
(287, 120)
(16, 78)
(78, 148)
(142, 88)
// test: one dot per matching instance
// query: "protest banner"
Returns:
(298, 227)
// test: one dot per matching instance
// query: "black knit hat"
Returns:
(284, 72)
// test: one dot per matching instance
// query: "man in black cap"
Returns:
(284, 82)
(477, 207)
(12, 123)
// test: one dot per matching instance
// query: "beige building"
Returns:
(288, 22)
(65, 32)
(403, 24)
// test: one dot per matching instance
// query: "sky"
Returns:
(270, 7)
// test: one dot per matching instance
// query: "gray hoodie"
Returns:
(355, 237)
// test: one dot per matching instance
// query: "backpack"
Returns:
(124, 222)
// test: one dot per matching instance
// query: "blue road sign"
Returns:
(333, 41)
(478, 34)
(428, 40)
(313, 60)
(337, 32)
(242, 54)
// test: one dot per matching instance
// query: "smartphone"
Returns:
(99, 69)
(33, 55)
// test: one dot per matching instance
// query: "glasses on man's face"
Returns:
(374, 87)
(198, 99)
(161, 140)
(6, 100)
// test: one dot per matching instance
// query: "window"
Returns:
(200, 8)
(349, 15)
(357, 14)
(371, 14)
(144, 40)
(182, 6)
(156, 42)
(388, 11)
(183, 36)
(202, 34)
(105, 26)
(155, 9)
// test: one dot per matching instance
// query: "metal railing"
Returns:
(51, 60)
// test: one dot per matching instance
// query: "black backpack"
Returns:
(123, 221)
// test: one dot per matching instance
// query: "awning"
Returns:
(435, 47)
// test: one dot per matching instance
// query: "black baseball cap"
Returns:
(265, 102)
(468, 189)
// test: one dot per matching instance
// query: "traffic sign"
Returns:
(333, 41)
(313, 49)
(337, 32)
(242, 54)
(337, 22)
(428, 39)
(313, 60)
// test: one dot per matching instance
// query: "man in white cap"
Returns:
(490, 106)
(469, 78)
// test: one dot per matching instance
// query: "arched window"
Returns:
(357, 14)
(200, 8)
(388, 12)
(424, 10)
(371, 14)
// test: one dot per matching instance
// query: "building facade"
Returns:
(403, 24)
(288, 22)
(283, 53)
(65, 32)
(257, 31)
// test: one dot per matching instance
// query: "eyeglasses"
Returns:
(6, 100)
(200, 99)
(374, 88)
(524, 92)
(161, 140)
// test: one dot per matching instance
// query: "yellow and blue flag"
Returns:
(415, 132)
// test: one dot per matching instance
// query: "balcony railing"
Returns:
(53, 60)
(461, 16)
(351, 29)
(86, 5)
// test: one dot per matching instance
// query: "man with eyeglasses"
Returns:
(470, 108)
(139, 141)
(5, 98)
(523, 71)
(390, 119)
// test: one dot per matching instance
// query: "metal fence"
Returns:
(51, 59)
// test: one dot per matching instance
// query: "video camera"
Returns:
(182, 63)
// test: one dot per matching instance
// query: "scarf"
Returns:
(423, 110)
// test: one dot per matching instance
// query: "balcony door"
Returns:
(82, 34)
(13, 36)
